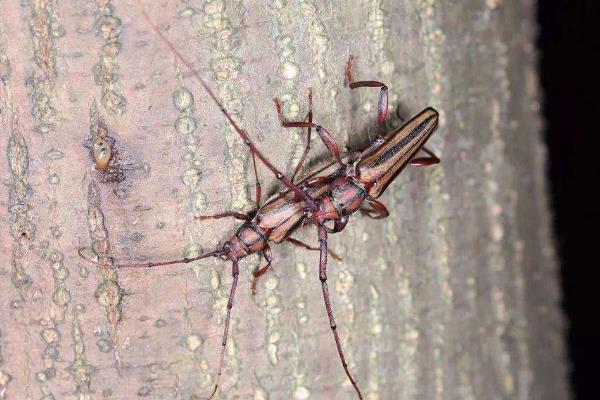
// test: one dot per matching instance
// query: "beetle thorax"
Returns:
(248, 239)
(345, 197)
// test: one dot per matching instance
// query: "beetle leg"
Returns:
(257, 181)
(425, 161)
(323, 279)
(323, 133)
(382, 105)
(316, 181)
(309, 116)
(376, 209)
(338, 225)
(303, 245)
(257, 274)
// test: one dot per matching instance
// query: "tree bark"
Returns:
(454, 296)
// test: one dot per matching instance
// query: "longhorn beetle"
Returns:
(328, 193)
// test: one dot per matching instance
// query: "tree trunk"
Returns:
(454, 296)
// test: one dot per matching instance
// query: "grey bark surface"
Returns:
(454, 296)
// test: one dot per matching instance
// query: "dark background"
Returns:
(568, 44)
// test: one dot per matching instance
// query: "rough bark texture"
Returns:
(454, 296)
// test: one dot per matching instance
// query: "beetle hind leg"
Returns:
(425, 161)
(260, 272)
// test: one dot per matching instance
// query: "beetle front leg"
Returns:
(309, 115)
(323, 133)
(257, 274)
(338, 225)
(382, 105)
(375, 209)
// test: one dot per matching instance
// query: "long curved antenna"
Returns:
(216, 253)
(310, 203)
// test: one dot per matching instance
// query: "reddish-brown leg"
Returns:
(323, 279)
(258, 187)
(325, 136)
(310, 203)
(309, 116)
(257, 274)
(303, 245)
(317, 181)
(374, 209)
(235, 272)
(382, 106)
(226, 214)
(339, 225)
(425, 161)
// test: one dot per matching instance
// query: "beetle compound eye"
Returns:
(102, 153)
